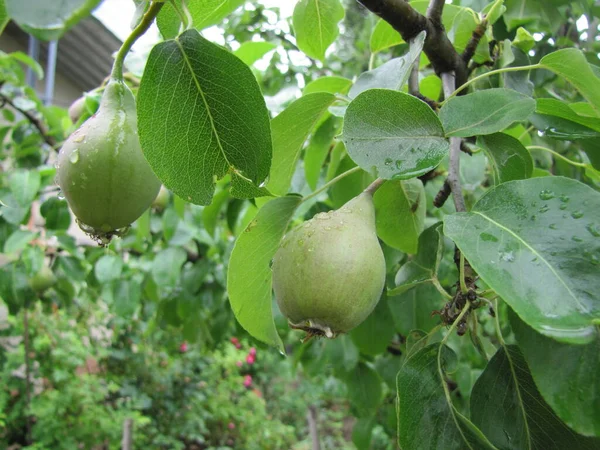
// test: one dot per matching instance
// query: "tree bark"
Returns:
(311, 417)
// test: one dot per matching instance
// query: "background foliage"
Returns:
(499, 352)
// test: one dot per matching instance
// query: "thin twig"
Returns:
(442, 195)
(471, 47)
(449, 83)
(41, 127)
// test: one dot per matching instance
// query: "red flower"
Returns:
(231, 425)
(239, 363)
(247, 381)
(235, 341)
(250, 359)
(238, 345)
(183, 347)
(252, 351)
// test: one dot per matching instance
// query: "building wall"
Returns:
(65, 92)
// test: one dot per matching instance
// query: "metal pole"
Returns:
(50, 72)
(34, 53)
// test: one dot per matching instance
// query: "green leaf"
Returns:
(316, 25)
(206, 13)
(56, 213)
(508, 408)
(108, 268)
(426, 417)
(393, 134)
(168, 21)
(553, 107)
(48, 20)
(567, 376)
(18, 240)
(364, 389)
(485, 112)
(249, 277)
(374, 334)
(570, 63)
(508, 158)
(393, 74)
(412, 310)
(384, 36)
(362, 431)
(24, 185)
(210, 214)
(290, 129)
(536, 242)
(3, 16)
(526, 12)
(332, 84)
(317, 150)
(424, 266)
(400, 208)
(201, 115)
(252, 51)
(166, 267)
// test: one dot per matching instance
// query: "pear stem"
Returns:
(117, 70)
(372, 188)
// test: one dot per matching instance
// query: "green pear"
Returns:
(101, 169)
(328, 273)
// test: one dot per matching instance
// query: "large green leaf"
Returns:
(48, 20)
(393, 74)
(374, 334)
(393, 134)
(316, 25)
(570, 63)
(567, 376)
(168, 21)
(426, 417)
(206, 13)
(510, 411)
(509, 159)
(485, 112)
(384, 36)
(201, 115)
(536, 242)
(166, 267)
(249, 277)
(400, 208)
(290, 129)
(424, 266)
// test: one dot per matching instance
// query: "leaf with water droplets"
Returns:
(393, 134)
(508, 408)
(540, 256)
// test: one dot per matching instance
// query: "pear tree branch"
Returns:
(409, 22)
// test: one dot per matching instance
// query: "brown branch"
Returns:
(435, 10)
(408, 22)
(41, 127)
(471, 47)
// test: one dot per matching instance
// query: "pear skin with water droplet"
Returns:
(331, 282)
(102, 171)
